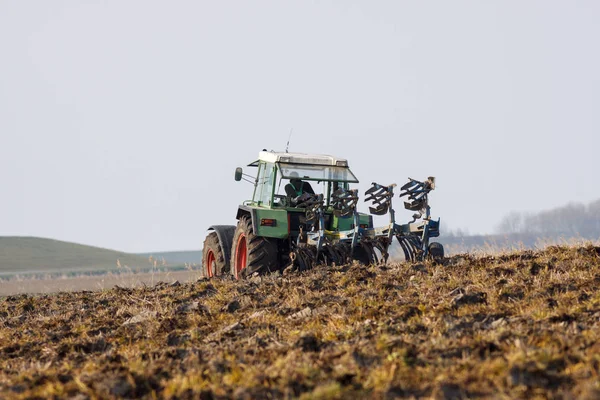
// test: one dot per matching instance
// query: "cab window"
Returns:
(264, 185)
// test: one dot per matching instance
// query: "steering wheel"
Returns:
(284, 201)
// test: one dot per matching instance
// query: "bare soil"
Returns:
(520, 325)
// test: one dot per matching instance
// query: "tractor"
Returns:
(297, 227)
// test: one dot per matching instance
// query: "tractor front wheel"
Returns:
(251, 253)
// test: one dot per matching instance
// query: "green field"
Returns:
(27, 256)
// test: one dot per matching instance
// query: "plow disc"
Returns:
(381, 197)
(411, 246)
(374, 250)
(344, 202)
(416, 193)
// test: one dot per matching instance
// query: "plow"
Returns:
(369, 245)
(299, 227)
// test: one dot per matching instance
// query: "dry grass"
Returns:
(518, 325)
(92, 282)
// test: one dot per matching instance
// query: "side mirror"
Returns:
(238, 174)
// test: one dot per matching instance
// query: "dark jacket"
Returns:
(297, 187)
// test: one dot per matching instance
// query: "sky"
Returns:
(122, 122)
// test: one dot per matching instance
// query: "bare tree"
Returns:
(571, 220)
(511, 223)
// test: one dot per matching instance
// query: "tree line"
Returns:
(571, 220)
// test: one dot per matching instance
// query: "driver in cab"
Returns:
(297, 187)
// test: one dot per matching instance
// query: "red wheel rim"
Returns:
(210, 262)
(241, 255)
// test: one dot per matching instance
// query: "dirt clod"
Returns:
(469, 298)
(232, 306)
(308, 343)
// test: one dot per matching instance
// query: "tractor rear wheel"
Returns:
(213, 258)
(251, 253)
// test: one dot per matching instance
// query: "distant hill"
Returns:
(31, 256)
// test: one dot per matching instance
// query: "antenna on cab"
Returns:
(287, 146)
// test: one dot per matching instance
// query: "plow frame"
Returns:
(413, 237)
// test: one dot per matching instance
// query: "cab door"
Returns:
(263, 193)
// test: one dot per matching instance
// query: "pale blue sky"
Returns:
(121, 122)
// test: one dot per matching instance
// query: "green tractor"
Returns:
(303, 212)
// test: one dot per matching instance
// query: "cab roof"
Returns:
(300, 158)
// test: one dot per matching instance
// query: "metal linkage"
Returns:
(381, 196)
(315, 217)
(344, 203)
(325, 251)
(313, 205)
(417, 193)
(413, 237)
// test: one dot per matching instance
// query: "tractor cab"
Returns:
(288, 184)
(300, 181)
(283, 178)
